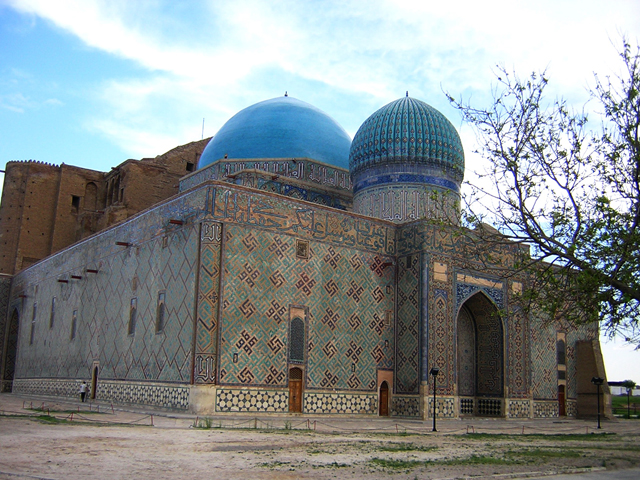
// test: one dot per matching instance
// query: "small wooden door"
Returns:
(295, 390)
(384, 400)
(561, 401)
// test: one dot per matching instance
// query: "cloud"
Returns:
(213, 58)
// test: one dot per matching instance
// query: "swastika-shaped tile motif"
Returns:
(347, 338)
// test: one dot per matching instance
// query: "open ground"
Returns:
(48, 439)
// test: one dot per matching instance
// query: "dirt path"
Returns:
(56, 448)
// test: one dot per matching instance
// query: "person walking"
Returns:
(83, 391)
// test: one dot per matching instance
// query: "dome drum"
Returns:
(407, 162)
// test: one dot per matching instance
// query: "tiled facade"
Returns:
(203, 290)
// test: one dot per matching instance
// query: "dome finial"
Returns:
(407, 93)
(285, 94)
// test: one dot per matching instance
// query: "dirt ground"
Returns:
(49, 440)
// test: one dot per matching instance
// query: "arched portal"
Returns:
(10, 353)
(480, 357)
(383, 407)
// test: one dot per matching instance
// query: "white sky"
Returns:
(92, 83)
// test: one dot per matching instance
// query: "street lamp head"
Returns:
(434, 371)
(597, 380)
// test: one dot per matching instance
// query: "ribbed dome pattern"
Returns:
(408, 131)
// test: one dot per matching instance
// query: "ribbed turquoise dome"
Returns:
(282, 127)
(409, 138)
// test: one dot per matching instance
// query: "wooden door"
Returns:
(384, 400)
(561, 401)
(295, 390)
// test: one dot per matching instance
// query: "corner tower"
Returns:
(407, 163)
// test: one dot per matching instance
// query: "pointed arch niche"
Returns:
(480, 357)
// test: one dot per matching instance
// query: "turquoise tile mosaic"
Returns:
(344, 291)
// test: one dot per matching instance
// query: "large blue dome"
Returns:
(408, 133)
(282, 127)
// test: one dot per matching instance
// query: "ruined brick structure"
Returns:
(46, 208)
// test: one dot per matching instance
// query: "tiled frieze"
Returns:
(296, 168)
(542, 409)
(408, 330)
(138, 393)
(166, 396)
(47, 387)
(248, 208)
(518, 408)
(345, 403)
(405, 406)
(208, 303)
(252, 400)
(571, 408)
(350, 332)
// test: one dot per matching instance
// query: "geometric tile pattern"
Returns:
(407, 357)
(345, 403)
(208, 302)
(518, 365)
(344, 290)
(252, 400)
(166, 396)
(403, 406)
(545, 409)
(544, 381)
(161, 257)
(445, 407)
(5, 290)
(466, 339)
(519, 408)
(441, 339)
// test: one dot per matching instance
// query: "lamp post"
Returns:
(597, 381)
(434, 372)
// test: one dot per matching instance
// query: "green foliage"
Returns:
(567, 188)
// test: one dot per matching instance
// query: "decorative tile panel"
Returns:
(348, 339)
(407, 355)
(405, 406)
(519, 408)
(345, 403)
(252, 400)
(545, 409)
(208, 303)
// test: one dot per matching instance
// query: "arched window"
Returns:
(160, 313)
(296, 340)
(132, 316)
(561, 352)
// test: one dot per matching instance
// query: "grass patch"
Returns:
(392, 464)
(405, 447)
(479, 460)
(582, 437)
(537, 453)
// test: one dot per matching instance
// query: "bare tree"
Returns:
(568, 189)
